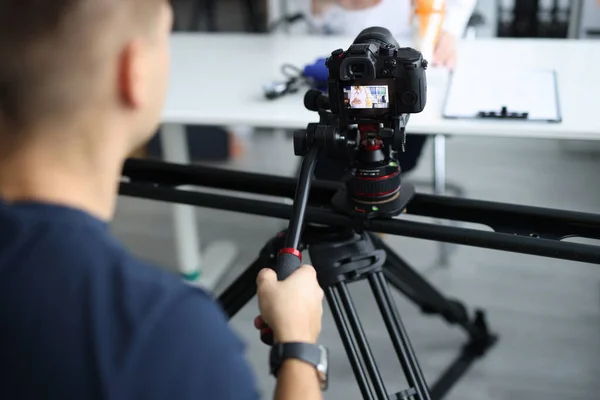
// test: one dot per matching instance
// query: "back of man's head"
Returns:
(63, 61)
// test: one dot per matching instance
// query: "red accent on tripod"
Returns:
(293, 252)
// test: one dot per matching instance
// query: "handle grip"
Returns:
(266, 336)
(289, 258)
(288, 261)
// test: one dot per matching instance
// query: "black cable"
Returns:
(290, 20)
(298, 72)
(295, 80)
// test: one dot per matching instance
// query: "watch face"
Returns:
(323, 368)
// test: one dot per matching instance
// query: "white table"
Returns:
(232, 67)
(217, 79)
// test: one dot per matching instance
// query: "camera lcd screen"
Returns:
(366, 97)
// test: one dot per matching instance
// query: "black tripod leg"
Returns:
(361, 340)
(243, 289)
(398, 335)
(476, 348)
(349, 343)
(403, 277)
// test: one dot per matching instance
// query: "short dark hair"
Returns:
(49, 49)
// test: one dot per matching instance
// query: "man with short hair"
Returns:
(82, 84)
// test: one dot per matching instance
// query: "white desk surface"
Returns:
(217, 79)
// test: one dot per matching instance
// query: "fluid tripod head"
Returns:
(373, 88)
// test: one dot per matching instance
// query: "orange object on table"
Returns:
(428, 18)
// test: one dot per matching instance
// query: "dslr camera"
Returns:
(375, 79)
(373, 87)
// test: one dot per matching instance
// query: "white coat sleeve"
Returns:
(458, 13)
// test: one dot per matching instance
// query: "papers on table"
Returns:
(503, 94)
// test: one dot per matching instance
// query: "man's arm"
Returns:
(458, 13)
(297, 380)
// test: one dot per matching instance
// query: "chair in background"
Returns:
(533, 19)
(204, 13)
(476, 21)
(205, 143)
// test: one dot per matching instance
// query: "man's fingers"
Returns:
(445, 51)
(445, 59)
(440, 51)
(308, 272)
(307, 269)
(266, 276)
(451, 63)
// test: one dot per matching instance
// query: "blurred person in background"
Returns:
(350, 17)
(359, 97)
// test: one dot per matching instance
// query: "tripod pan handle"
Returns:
(288, 261)
(266, 333)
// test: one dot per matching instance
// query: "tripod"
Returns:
(342, 256)
(515, 228)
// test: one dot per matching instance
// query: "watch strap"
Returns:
(307, 352)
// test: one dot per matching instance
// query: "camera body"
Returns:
(376, 79)
(373, 88)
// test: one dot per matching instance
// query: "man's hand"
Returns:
(292, 308)
(445, 51)
(356, 101)
(318, 6)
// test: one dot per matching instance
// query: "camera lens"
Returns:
(377, 35)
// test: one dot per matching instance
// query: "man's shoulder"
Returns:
(153, 294)
(193, 350)
(186, 341)
(115, 322)
(69, 249)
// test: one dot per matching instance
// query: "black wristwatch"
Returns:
(312, 354)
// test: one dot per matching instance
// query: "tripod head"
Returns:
(370, 149)
(373, 87)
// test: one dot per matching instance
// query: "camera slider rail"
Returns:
(519, 229)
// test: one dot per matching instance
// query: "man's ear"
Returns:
(131, 75)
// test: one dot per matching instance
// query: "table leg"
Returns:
(439, 186)
(439, 164)
(275, 10)
(207, 268)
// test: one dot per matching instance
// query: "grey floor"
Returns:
(546, 311)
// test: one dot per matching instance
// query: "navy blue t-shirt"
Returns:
(80, 318)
